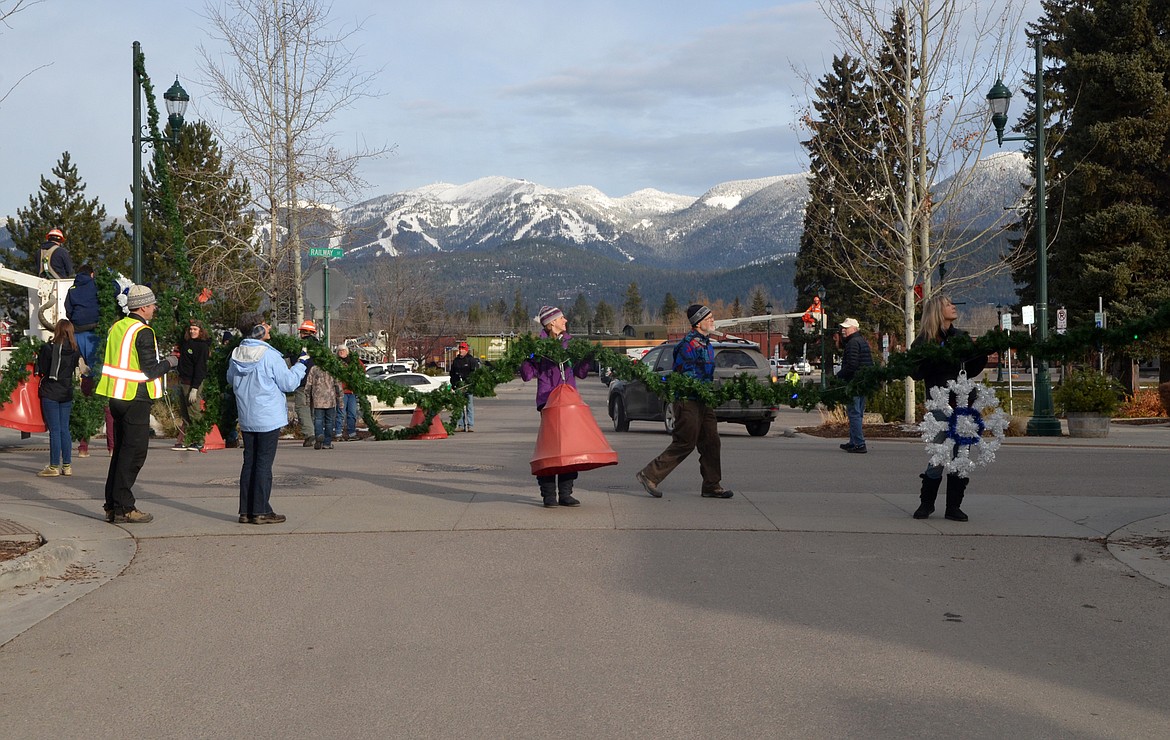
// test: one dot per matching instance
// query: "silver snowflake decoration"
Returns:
(957, 416)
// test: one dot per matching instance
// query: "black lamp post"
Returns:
(176, 100)
(1043, 422)
(768, 310)
(824, 326)
(999, 364)
(369, 318)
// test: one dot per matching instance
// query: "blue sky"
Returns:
(677, 95)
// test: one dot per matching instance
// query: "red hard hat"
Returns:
(307, 325)
(55, 235)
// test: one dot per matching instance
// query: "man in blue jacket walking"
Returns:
(260, 378)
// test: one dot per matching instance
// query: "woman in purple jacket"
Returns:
(549, 375)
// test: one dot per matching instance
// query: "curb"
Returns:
(44, 562)
(1144, 546)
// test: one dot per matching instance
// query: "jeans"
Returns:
(467, 421)
(323, 421)
(346, 416)
(856, 411)
(56, 415)
(87, 344)
(256, 474)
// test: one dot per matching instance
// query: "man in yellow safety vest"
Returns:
(131, 379)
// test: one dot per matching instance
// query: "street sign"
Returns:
(328, 252)
(1099, 319)
(1027, 315)
(1005, 322)
(1061, 321)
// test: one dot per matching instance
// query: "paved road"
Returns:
(419, 589)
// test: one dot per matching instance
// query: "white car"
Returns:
(415, 381)
(802, 366)
(386, 368)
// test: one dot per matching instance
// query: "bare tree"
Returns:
(7, 10)
(285, 74)
(928, 64)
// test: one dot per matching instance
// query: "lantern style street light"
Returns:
(176, 100)
(1043, 422)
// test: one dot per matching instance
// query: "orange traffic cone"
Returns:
(23, 411)
(569, 439)
(437, 430)
(213, 440)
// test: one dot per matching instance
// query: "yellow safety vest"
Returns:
(121, 371)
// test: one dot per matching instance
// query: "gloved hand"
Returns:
(304, 358)
(172, 360)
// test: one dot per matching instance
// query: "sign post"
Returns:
(327, 253)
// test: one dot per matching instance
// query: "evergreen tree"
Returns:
(519, 317)
(1112, 240)
(579, 314)
(211, 202)
(632, 307)
(736, 308)
(604, 317)
(61, 203)
(670, 309)
(759, 306)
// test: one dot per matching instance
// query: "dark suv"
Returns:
(633, 401)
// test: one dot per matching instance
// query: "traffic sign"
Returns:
(328, 252)
(1061, 320)
(1005, 322)
(1027, 315)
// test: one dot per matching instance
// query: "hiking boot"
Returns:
(66, 469)
(245, 519)
(272, 518)
(649, 485)
(857, 448)
(134, 516)
(848, 446)
(317, 443)
(109, 513)
(719, 493)
(50, 471)
(309, 442)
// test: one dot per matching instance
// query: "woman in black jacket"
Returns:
(938, 319)
(56, 363)
(194, 349)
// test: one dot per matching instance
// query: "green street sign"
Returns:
(330, 252)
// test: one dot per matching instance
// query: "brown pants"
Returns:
(694, 426)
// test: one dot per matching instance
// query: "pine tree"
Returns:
(60, 203)
(670, 309)
(212, 203)
(1112, 240)
(580, 315)
(632, 307)
(519, 316)
(603, 317)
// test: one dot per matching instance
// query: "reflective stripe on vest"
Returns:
(122, 374)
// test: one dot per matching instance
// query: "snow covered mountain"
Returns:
(730, 225)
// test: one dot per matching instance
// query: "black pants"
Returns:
(131, 442)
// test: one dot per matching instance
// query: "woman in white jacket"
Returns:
(260, 379)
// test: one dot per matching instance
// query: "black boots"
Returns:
(567, 493)
(548, 490)
(956, 485)
(927, 496)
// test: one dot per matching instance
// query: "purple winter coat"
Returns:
(548, 373)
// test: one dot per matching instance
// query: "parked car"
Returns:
(386, 368)
(415, 381)
(633, 401)
(803, 366)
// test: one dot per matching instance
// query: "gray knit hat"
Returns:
(139, 296)
(696, 313)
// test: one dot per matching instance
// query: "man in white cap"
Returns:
(856, 356)
(132, 379)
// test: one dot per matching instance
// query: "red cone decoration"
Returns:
(213, 440)
(437, 430)
(569, 438)
(22, 412)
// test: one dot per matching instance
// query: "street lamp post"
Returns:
(768, 310)
(370, 318)
(1043, 422)
(824, 326)
(999, 363)
(176, 99)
